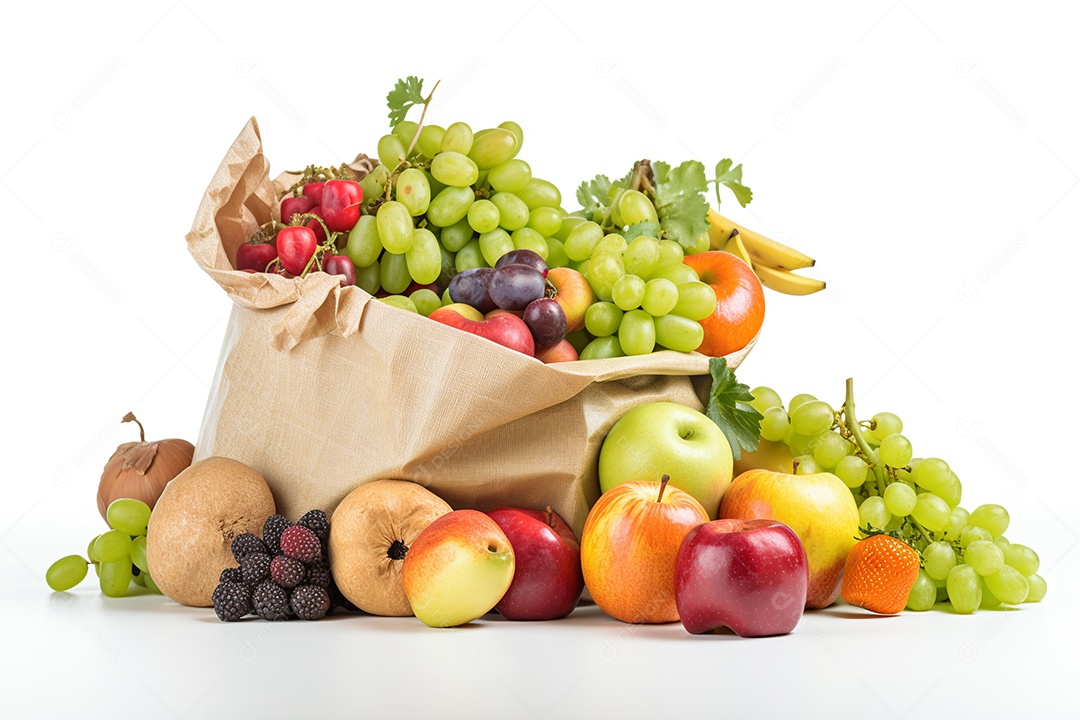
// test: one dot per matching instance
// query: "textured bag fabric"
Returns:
(320, 389)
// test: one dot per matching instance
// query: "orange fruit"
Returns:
(879, 574)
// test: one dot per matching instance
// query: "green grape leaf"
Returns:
(403, 97)
(679, 196)
(593, 194)
(729, 407)
(732, 178)
(638, 229)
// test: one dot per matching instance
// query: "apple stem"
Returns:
(550, 517)
(663, 486)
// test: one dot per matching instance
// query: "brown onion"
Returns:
(141, 470)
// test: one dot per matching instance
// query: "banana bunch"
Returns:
(771, 261)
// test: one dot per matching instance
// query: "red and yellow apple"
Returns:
(573, 293)
(506, 329)
(740, 302)
(629, 545)
(562, 351)
(818, 507)
(458, 569)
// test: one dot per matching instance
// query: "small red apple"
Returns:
(508, 330)
(547, 575)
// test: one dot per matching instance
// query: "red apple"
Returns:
(573, 293)
(563, 351)
(506, 329)
(747, 575)
(547, 573)
(629, 545)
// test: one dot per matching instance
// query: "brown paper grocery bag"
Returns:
(320, 389)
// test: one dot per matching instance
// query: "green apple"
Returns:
(666, 438)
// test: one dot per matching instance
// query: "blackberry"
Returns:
(232, 574)
(316, 522)
(319, 575)
(286, 572)
(300, 543)
(269, 601)
(232, 601)
(310, 602)
(272, 529)
(245, 544)
(255, 567)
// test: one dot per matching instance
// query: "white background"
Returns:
(926, 155)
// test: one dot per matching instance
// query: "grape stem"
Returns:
(423, 114)
(856, 432)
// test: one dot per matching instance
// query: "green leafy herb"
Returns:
(729, 407)
(593, 194)
(638, 229)
(679, 196)
(732, 178)
(406, 94)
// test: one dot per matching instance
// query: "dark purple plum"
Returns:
(546, 320)
(471, 287)
(523, 257)
(513, 287)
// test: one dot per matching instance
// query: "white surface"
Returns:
(926, 155)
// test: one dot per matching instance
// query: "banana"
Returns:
(787, 282)
(735, 247)
(762, 249)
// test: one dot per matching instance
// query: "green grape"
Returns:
(423, 259)
(1001, 541)
(454, 169)
(90, 552)
(528, 239)
(113, 546)
(874, 513)
(637, 334)
(634, 207)
(364, 245)
(764, 397)
(540, 193)
(923, 593)
(774, 423)
(115, 578)
(697, 301)
(993, 518)
(394, 225)
(581, 240)
(513, 213)
(413, 191)
(449, 206)
(436, 186)
(885, 424)
(895, 450)
(1022, 558)
(660, 297)
(965, 593)
(931, 512)
(801, 444)
(405, 131)
(454, 237)
(671, 253)
(369, 278)
(972, 533)
(390, 150)
(495, 147)
(138, 553)
(603, 319)
(950, 491)
(830, 449)
(628, 291)
(128, 515)
(806, 465)
(446, 299)
(430, 142)
(401, 302)
(495, 244)
(1036, 588)
(569, 222)
(545, 221)
(139, 579)
(556, 255)
(425, 301)
(677, 274)
(984, 557)
(516, 129)
(695, 245)
(470, 256)
(579, 340)
(812, 418)
(613, 243)
(458, 138)
(394, 273)
(483, 216)
(604, 270)
(641, 256)
(851, 470)
(900, 499)
(150, 584)
(800, 399)
(680, 334)
(958, 520)
(989, 600)
(66, 573)
(939, 559)
(512, 176)
(602, 347)
(1008, 585)
(373, 185)
(932, 474)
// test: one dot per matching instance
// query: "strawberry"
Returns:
(879, 574)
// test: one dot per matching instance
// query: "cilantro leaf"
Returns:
(638, 229)
(732, 178)
(593, 194)
(405, 95)
(680, 202)
(729, 407)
